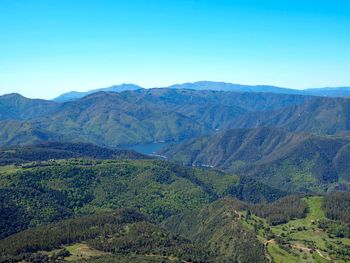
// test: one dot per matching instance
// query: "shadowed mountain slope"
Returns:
(283, 159)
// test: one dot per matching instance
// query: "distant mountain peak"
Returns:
(12, 95)
(74, 95)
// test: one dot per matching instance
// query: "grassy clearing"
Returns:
(310, 232)
(8, 169)
(318, 259)
(82, 251)
(5, 172)
(280, 255)
(306, 234)
(304, 241)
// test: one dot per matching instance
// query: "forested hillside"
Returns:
(49, 191)
(142, 116)
(53, 150)
(218, 227)
(75, 209)
(16, 107)
(292, 229)
(121, 233)
(285, 160)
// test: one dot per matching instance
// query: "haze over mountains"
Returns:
(73, 95)
(217, 86)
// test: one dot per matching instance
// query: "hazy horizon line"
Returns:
(174, 84)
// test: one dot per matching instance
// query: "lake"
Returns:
(148, 148)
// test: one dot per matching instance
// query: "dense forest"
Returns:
(337, 209)
(49, 151)
(48, 237)
(123, 232)
(337, 206)
(50, 191)
(282, 210)
(218, 227)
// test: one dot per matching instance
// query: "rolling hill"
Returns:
(56, 151)
(116, 236)
(218, 227)
(47, 191)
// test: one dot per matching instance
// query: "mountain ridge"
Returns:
(150, 115)
(216, 86)
(285, 160)
(74, 95)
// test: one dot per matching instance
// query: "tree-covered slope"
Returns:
(118, 234)
(143, 116)
(103, 119)
(294, 161)
(140, 116)
(337, 206)
(47, 192)
(318, 115)
(218, 227)
(43, 192)
(15, 106)
(56, 150)
(292, 229)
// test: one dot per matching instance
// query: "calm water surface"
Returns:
(148, 148)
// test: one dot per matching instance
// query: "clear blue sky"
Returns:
(49, 47)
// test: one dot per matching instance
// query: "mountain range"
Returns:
(74, 95)
(287, 141)
(247, 176)
(216, 86)
(151, 115)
